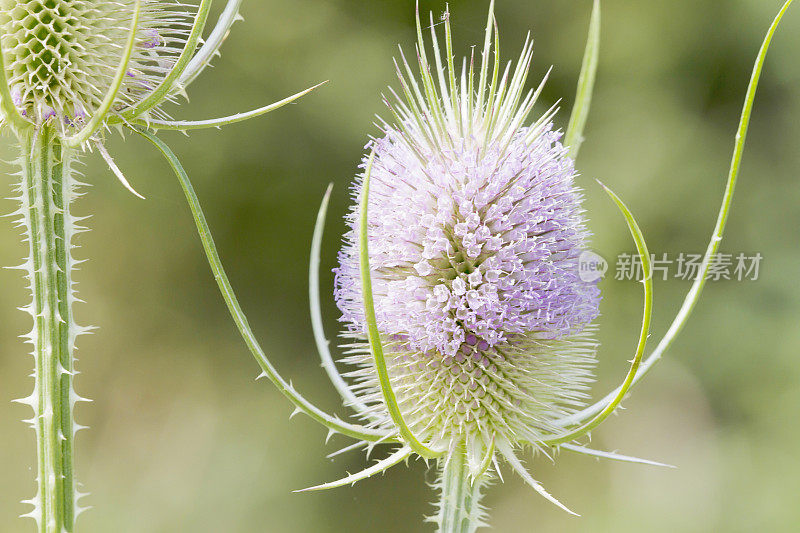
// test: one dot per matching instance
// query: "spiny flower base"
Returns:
(509, 393)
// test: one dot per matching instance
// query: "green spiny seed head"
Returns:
(61, 55)
(480, 396)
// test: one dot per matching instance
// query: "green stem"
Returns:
(459, 504)
(46, 191)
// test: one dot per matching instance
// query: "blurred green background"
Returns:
(183, 438)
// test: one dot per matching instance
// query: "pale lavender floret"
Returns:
(78, 117)
(473, 246)
(16, 98)
(154, 39)
(47, 112)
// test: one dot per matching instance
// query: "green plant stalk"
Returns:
(46, 190)
(459, 500)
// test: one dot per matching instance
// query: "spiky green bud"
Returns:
(61, 56)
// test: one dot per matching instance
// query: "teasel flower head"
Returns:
(475, 229)
(61, 56)
(469, 327)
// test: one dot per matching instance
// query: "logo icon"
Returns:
(591, 267)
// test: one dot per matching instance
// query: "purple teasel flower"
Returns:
(154, 39)
(474, 229)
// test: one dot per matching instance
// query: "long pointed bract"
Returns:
(583, 98)
(695, 291)
(519, 468)
(647, 284)
(611, 455)
(184, 125)
(316, 314)
(212, 44)
(389, 398)
(381, 466)
(286, 388)
(115, 169)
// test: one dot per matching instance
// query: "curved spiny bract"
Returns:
(693, 296)
(302, 405)
(212, 44)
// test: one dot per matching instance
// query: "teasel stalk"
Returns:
(433, 120)
(71, 71)
(46, 189)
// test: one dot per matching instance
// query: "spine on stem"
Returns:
(46, 189)
(459, 509)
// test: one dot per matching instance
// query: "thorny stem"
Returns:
(459, 500)
(45, 194)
